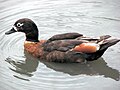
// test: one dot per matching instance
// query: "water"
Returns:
(21, 71)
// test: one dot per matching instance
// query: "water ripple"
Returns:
(21, 71)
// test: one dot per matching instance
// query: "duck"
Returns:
(67, 47)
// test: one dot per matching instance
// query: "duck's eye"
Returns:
(19, 24)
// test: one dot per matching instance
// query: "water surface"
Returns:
(21, 71)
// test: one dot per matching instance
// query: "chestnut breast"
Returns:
(33, 48)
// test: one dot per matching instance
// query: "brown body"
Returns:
(72, 50)
(37, 50)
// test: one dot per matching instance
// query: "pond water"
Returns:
(21, 71)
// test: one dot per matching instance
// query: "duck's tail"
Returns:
(107, 43)
(104, 45)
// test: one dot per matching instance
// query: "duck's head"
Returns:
(26, 26)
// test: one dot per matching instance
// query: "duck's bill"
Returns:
(11, 31)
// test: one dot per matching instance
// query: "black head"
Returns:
(26, 26)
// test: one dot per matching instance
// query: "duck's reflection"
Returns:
(98, 67)
(25, 67)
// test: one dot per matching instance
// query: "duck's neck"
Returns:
(32, 36)
(32, 39)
